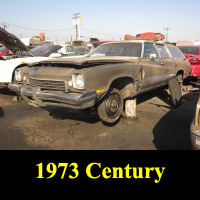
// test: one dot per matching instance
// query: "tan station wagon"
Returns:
(109, 75)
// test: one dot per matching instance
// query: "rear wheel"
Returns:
(110, 109)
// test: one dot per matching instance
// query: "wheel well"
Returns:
(180, 72)
(125, 85)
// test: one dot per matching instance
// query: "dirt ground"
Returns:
(158, 127)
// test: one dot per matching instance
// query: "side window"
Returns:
(175, 52)
(150, 49)
(163, 52)
(69, 49)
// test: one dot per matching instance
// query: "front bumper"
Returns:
(14, 87)
(37, 97)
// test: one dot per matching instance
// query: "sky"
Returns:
(105, 19)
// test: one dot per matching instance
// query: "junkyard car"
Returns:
(195, 128)
(16, 46)
(193, 55)
(109, 75)
(3, 51)
(183, 69)
(8, 67)
(25, 55)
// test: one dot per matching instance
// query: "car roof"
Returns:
(198, 46)
(133, 41)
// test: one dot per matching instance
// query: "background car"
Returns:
(22, 55)
(192, 53)
(3, 51)
(67, 50)
(40, 53)
(183, 66)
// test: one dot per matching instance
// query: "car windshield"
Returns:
(69, 49)
(189, 50)
(80, 50)
(118, 49)
(45, 50)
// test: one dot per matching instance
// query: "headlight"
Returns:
(78, 81)
(18, 76)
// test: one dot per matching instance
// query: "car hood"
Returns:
(12, 42)
(95, 59)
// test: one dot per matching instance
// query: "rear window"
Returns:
(175, 52)
(189, 50)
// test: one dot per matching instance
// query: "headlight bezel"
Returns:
(78, 81)
(18, 76)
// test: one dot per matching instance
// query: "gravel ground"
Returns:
(158, 127)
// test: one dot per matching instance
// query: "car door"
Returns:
(167, 63)
(151, 62)
(182, 63)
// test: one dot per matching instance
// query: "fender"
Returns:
(115, 78)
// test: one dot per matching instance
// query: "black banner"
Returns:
(100, 167)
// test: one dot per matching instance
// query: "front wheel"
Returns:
(110, 109)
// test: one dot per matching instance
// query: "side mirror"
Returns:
(55, 55)
(152, 56)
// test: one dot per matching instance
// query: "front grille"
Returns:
(47, 84)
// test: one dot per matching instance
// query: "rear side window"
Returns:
(189, 50)
(163, 52)
(175, 52)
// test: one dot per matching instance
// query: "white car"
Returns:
(8, 67)
(26, 56)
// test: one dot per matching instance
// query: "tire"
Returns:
(111, 107)
(175, 92)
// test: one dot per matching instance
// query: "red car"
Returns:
(3, 51)
(192, 53)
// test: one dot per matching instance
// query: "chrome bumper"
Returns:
(35, 96)
(14, 87)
